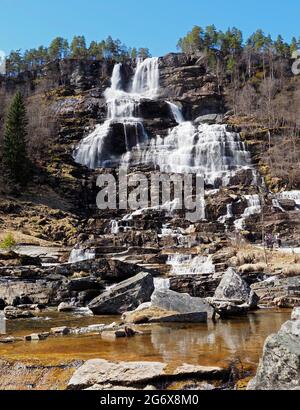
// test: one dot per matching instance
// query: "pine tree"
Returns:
(14, 156)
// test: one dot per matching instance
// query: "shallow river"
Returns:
(207, 344)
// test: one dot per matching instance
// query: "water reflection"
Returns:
(206, 344)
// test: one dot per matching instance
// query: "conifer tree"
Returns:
(14, 156)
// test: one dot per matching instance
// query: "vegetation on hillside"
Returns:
(260, 89)
(15, 163)
(59, 48)
(8, 242)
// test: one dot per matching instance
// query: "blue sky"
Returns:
(157, 24)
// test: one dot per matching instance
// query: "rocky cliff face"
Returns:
(61, 203)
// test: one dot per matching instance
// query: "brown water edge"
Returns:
(238, 340)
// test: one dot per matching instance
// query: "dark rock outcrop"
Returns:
(127, 295)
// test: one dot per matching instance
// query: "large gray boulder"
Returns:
(178, 302)
(233, 287)
(99, 373)
(279, 368)
(233, 296)
(127, 295)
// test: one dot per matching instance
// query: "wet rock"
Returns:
(120, 333)
(65, 307)
(12, 313)
(89, 329)
(157, 315)
(10, 339)
(179, 302)
(85, 284)
(60, 331)
(287, 204)
(7, 340)
(102, 373)
(127, 295)
(37, 336)
(279, 367)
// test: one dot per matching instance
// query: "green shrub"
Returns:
(8, 242)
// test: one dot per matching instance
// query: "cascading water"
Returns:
(229, 214)
(176, 112)
(80, 254)
(121, 108)
(253, 208)
(293, 195)
(189, 265)
(209, 150)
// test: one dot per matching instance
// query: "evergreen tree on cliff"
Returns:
(14, 156)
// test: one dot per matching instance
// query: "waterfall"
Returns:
(205, 149)
(189, 265)
(146, 78)
(80, 254)
(209, 150)
(253, 208)
(121, 108)
(176, 112)
(229, 214)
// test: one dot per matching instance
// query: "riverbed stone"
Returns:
(102, 372)
(65, 307)
(12, 312)
(157, 315)
(63, 330)
(37, 336)
(179, 302)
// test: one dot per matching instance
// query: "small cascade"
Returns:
(179, 234)
(80, 254)
(229, 214)
(146, 79)
(293, 195)
(189, 265)
(114, 227)
(161, 283)
(253, 208)
(176, 112)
